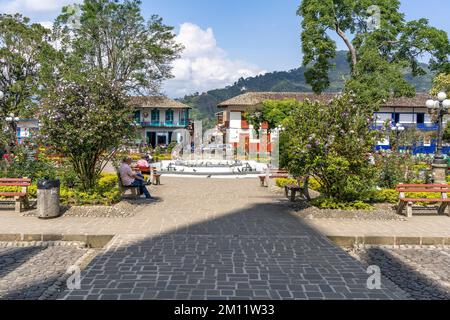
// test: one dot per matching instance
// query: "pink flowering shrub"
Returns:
(332, 142)
(86, 122)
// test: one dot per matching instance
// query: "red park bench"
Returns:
(153, 171)
(404, 201)
(20, 197)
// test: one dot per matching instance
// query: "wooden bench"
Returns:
(403, 189)
(20, 198)
(156, 180)
(135, 192)
(273, 174)
(291, 191)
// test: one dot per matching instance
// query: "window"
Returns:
(137, 116)
(420, 118)
(184, 116)
(155, 116)
(169, 116)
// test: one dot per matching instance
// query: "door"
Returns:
(151, 139)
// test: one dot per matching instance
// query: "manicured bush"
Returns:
(331, 203)
(384, 196)
(313, 184)
(106, 193)
(108, 181)
(282, 182)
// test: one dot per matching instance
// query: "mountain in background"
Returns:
(204, 106)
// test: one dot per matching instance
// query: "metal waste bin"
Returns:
(48, 198)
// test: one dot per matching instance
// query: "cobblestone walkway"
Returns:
(423, 273)
(26, 273)
(213, 239)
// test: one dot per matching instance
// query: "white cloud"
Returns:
(34, 6)
(204, 65)
(46, 24)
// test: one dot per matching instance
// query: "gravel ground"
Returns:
(422, 272)
(381, 212)
(303, 209)
(32, 271)
(124, 209)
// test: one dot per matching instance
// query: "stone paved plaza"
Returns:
(422, 272)
(218, 239)
(27, 272)
(223, 239)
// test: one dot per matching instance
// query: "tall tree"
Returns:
(381, 45)
(22, 48)
(105, 52)
(113, 38)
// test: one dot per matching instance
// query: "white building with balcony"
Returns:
(158, 118)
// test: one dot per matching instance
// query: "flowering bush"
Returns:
(85, 121)
(394, 168)
(332, 143)
(27, 163)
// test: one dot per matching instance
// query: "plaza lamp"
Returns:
(398, 128)
(440, 107)
(12, 120)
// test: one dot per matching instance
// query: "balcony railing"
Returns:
(169, 124)
(420, 126)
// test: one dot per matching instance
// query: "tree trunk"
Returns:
(350, 47)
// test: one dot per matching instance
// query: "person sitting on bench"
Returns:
(132, 179)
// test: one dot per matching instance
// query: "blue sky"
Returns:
(242, 37)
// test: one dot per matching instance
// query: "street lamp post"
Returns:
(398, 128)
(12, 120)
(441, 106)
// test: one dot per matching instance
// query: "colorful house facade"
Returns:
(158, 118)
(409, 112)
(26, 128)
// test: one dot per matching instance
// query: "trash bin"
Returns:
(48, 198)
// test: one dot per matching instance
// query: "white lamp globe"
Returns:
(430, 104)
(437, 105)
(446, 104)
(442, 96)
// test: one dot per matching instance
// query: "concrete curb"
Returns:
(92, 241)
(350, 241)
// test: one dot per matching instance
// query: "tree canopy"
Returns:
(23, 46)
(114, 39)
(381, 45)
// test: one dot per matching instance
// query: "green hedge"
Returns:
(282, 182)
(329, 203)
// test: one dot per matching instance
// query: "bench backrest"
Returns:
(120, 180)
(431, 188)
(13, 182)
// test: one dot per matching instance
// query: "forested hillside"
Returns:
(205, 104)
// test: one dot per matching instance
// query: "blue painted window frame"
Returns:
(169, 116)
(155, 116)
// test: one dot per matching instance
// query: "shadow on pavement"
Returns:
(417, 285)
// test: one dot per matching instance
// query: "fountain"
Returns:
(212, 167)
